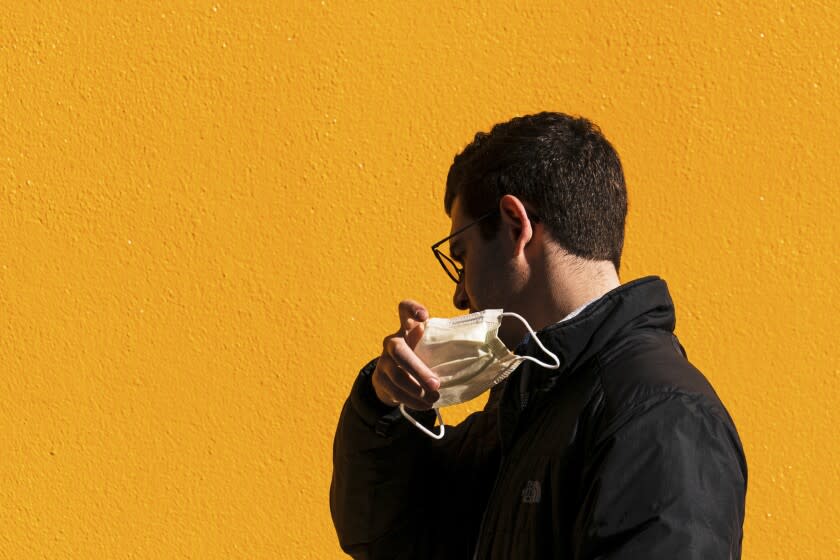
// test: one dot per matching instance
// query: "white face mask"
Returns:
(468, 356)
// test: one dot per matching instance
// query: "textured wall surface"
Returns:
(208, 213)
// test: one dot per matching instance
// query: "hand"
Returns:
(400, 376)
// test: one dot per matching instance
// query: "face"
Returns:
(489, 280)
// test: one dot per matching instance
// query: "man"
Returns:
(624, 451)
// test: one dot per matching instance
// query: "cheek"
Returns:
(472, 282)
(494, 282)
(479, 284)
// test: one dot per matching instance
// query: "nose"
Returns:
(460, 299)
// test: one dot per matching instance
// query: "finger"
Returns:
(399, 396)
(392, 393)
(413, 336)
(405, 357)
(385, 393)
(411, 313)
(404, 381)
(379, 374)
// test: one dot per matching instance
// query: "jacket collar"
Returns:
(640, 304)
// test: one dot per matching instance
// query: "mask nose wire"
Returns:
(423, 428)
(540, 344)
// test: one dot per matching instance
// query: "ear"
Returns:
(515, 223)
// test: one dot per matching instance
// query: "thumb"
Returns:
(413, 336)
(411, 313)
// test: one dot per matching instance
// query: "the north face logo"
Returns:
(532, 492)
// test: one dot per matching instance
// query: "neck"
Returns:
(567, 283)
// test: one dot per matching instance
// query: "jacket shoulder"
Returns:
(649, 366)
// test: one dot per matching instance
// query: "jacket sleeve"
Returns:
(397, 493)
(666, 479)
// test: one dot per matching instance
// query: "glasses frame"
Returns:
(441, 256)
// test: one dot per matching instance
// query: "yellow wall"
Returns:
(209, 213)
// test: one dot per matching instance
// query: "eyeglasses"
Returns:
(453, 269)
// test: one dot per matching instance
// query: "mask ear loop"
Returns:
(556, 365)
(420, 426)
(540, 344)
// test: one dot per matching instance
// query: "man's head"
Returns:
(562, 166)
(547, 178)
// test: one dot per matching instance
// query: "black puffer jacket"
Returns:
(624, 452)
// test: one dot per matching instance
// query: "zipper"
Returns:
(502, 464)
(487, 506)
(523, 391)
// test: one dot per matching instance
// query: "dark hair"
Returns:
(562, 165)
